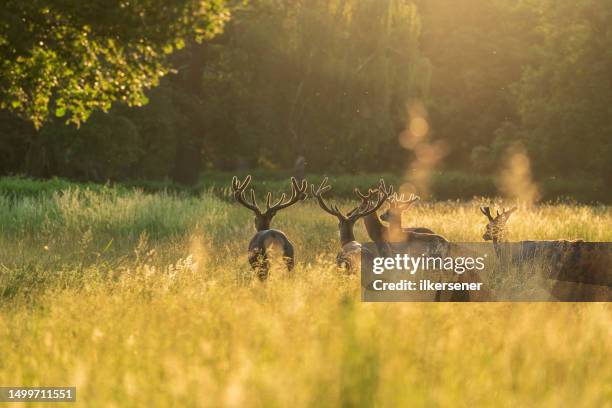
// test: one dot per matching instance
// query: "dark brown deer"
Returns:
(580, 269)
(382, 234)
(351, 251)
(421, 240)
(525, 250)
(377, 231)
(267, 238)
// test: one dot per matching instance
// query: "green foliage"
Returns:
(449, 185)
(60, 57)
(477, 49)
(14, 134)
(325, 80)
(328, 81)
(156, 125)
(482, 159)
(19, 187)
(564, 95)
(106, 147)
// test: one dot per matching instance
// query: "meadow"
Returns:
(144, 299)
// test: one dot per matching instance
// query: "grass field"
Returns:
(139, 300)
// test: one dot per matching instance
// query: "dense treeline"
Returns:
(331, 81)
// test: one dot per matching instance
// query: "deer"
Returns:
(382, 234)
(420, 239)
(266, 238)
(580, 272)
(397, 205)
(351, 251)
(495, 231)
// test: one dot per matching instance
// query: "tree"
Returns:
(327, 80)
(67, 58)
(564, 95)
(477, 49)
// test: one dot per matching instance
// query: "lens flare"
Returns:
(515, 180)
(428, 154)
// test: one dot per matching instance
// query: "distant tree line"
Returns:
(328, 81)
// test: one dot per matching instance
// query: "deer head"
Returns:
(496, 226)
(346, 222)
(263, 219)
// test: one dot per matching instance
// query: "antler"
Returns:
(318, 193)
(367, 207)
(298, 193)
(504, 214)
(238, 188)
(487, 212)
(366, 198)
(382, 187)
(401, 201)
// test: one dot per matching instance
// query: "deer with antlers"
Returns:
(495, 231)
(420, 239)
(580, 269)
(351, 251)
(393, 215)
(525, 250)
(266, 238)
(382, 234)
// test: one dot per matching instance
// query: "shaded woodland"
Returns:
(262, 83)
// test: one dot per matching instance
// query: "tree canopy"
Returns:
(326, 80)
(68, 58)
(564, 96)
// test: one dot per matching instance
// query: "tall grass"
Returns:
(140, 300)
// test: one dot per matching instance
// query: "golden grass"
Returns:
(163, 318)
